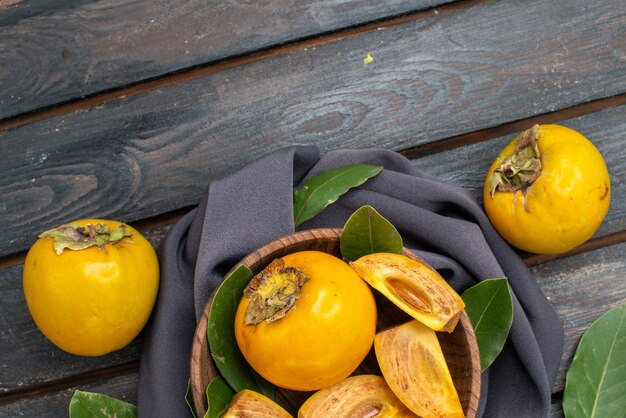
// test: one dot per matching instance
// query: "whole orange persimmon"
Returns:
(306, 322)
(548, 191)
(90, 285)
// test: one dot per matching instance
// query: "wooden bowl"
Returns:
(459, 347)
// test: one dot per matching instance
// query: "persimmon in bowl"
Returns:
(459, 346)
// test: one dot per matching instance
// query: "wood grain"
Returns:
(155, 152)
(60, 51)
(30, 359)
(582, 288)
(467, 166)
(153, 147)
(56, 404)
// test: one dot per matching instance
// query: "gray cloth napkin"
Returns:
(442, 223)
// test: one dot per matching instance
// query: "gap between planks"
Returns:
(101, 374)
(434, 148)
(513, 127)
(70, 381)
(213, 67)
(530, 259)
(143, 225)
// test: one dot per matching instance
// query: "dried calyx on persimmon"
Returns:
(273, 292)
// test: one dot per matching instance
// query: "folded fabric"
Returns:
(442, 223)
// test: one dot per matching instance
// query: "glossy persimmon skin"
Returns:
(567, 203)
(323, 338)
(93, 301)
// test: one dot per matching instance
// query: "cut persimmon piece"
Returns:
(413, 365)
(358, 396)
(250, 404)
(414, 287)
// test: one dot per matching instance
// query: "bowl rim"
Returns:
(196, 374)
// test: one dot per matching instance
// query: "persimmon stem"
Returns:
(77, 238)
(273, 292)
(520, 169)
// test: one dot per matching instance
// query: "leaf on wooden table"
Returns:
(221, 336)
(490, 309)
(321, 190)
(367, 232)
(218, 395)
(96, 405)
(595, 385)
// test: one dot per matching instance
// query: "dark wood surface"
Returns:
(109, 160)
(62, 51)
(129, 109)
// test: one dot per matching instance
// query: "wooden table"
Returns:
(127, 110)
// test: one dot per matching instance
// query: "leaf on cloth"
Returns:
(189, 400)
(221, 336)
(490, 309)
(367, 232)
(95, 405)
(595, 384)
(218, 396)
(321, 190)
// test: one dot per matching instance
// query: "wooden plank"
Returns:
(124, 387)
(60, 51)
(582, 288)
(56, 404)
(467, 166)
(28, 358)
(154, 152)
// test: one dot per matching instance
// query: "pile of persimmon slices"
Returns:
(415, 378)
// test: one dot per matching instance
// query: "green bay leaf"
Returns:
(221, 336)
(595, 385)
(490, 309)
(367, 232)
(321, 190)
(96, 405)
(218, 395)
